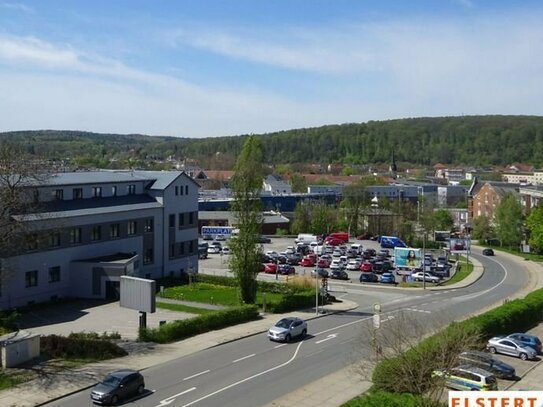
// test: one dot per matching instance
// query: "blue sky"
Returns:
(224, 67)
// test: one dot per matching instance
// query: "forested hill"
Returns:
(467, 140)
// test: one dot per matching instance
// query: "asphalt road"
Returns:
(254, 371)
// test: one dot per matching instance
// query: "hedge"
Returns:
(514, 316)
(56, 346)
(181, 329)
(292, 301)
(384, 399)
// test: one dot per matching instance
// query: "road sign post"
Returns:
(376, 326)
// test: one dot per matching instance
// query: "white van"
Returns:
(357, 248)
(306, 238)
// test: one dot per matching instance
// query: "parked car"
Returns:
(322, 273)
(264, 239)
(467, 377)
(294, 259)
(307, 261)
(225, 250)
(339, 275)
(336, 265)
(388, 278)
(429, 278)
(286, 269)
(485, 361)
(368, 277)
(214, 249)
(332, 241)
(353, 265)
(270, 268)
(488, 252)
(364, 236)
(221, 238)
(366, 266)
(527, 340)
(287, 328)
(323, 263)
(117, 386)
(336, 253)
(510, 347)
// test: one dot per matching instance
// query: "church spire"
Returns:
(393, 169)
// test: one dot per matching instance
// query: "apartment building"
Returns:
(93, 227)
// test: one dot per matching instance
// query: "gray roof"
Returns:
(231, 217)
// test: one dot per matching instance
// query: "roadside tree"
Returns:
(509, 220)
(534, 224)
(482, 229)
(246, 185)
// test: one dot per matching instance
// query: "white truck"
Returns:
(306, 238)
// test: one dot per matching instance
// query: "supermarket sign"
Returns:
(496, 399)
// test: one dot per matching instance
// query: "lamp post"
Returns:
(317, 283)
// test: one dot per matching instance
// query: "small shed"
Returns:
(19, 347)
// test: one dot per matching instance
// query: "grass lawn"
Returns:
(183, 308)
(526, 256)
(213, 294)
(465, 270)
(10, 380)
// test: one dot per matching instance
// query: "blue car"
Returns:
(388, 278)
(527, 340)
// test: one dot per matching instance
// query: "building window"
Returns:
(191, 218)
(132, 227)
(114, 190)
(172, 221)
(172, 251)
(176, 190)
(181, 220)
(54, 274)
(31, 278)
(75, 235)
(96, 192)
(54, 239)
(181, 188)
(131, 189)
(96, 233)
(58, 194)
(148, 225)
(182, 248)
(32, 242)
(77, 193)
(186, 189)
(191, 246)
(114, 230)
(148, 256)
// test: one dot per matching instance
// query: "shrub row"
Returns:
(382, 399)
(177, 330)
(55, 346)
(291, 301)
(514, 316)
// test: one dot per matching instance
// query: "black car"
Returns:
(117, 386)
(264, 239)
(487, 362)
(294, 259)
(368, 277)
(488, 252)
(339, 275)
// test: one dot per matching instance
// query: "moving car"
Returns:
(429, 278)
(368, 277)
(339, 275)
(287, 328)
(467, 377)
(118, 386)
(388, 278)
(485, 361)
(527, 340)
(510, 347)
(488, 252)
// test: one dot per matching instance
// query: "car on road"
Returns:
(485, 361)
(120, 385)
(488, 252)
(287, 328)
(510, 347)
(368, 277)
(339, 275)
(429, 278)
(527, 340)
(388, 278)
(323, 273)
(270, 268)
(467, 377)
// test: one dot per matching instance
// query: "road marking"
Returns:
(246, 379)
(243, 358)
(331, 336)
(171, 399)
(280, 346)
(418, 310)
(197, 374)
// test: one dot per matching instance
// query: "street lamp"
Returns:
(317, 282)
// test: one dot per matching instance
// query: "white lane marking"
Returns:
(469, 296)
(171, 399)
(246, 379)
(243, 358)
(331, 336)
(279, 346)
(196, 375)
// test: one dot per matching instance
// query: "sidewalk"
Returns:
(52, 384)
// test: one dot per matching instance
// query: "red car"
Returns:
(333, 241)
(366, 266)
(323, 263)
(270, 268)
(307, 261)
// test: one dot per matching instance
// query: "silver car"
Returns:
(510, 347)
(287, 328)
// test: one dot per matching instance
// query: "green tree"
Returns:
(534, 224)
(298, 183)
(355, 198)
(246, 184)
(302, 217)
(443, 219)
(508, 220)
(482, 229)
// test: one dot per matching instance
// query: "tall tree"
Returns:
(534, 224)
(482, 228)
(246, 184)
(443, 219)
(508, 220)
(298, 183)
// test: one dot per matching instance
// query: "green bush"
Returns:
(176, 330)
(55, 346)
(292, 301)
(384, 399)
(94, 335)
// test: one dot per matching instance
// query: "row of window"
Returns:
(31, 277)
(184, 219)
(97, 233)
(179, 190)
(77, 193)
(178, 249)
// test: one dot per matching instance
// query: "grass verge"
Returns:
(464, 271)
(183, 308)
